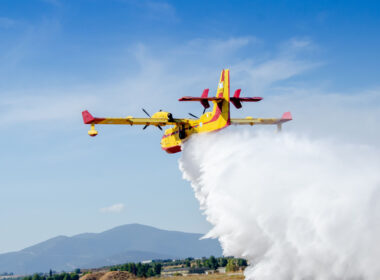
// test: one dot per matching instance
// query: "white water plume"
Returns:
(295, 208)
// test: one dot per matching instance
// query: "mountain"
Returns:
(127, 243)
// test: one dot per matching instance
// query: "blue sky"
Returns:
(319, 59)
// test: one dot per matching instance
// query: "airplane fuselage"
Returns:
(173, 137)
(217, 119)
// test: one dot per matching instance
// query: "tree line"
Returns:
(139, 269)
(211, 262)
(54, 276)
(155, 267)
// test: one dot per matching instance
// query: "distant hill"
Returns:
(127, 243)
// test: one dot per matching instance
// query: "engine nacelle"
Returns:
(163, 115)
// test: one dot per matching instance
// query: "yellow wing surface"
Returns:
(158, 119)
(254, 121)
(163, 119)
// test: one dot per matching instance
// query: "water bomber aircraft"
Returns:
(219, 118)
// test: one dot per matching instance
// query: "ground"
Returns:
(209, 277)
(121, 275)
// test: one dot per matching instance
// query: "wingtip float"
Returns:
(181, 129)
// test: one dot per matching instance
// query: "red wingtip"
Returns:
(287, 116)
(87, 117)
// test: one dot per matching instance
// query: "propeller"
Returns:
(204, 110)
(194, 116)
(146, 113)
(145, 126)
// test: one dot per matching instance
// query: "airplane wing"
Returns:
(89, 119)
(253, 121)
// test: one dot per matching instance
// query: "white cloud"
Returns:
(262, 75)
(298, 44)
(116, 208)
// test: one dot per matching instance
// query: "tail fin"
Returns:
(223, 90)
(221, 109)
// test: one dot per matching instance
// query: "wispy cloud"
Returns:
(116, 208)
(298, 44)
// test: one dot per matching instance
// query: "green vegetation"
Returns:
(153, 268)
(211, 262)
(195, 266)
(139, 269)
(234, 265)
(51, 276)
(214, 263)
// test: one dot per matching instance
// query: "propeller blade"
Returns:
(146, 113)
(159, 127)
(204, 110)
(194, 116)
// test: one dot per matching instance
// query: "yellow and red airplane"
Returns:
(182, 129)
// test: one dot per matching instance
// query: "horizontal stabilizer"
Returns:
(191, 98)
(204, 99)
(236, 99)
